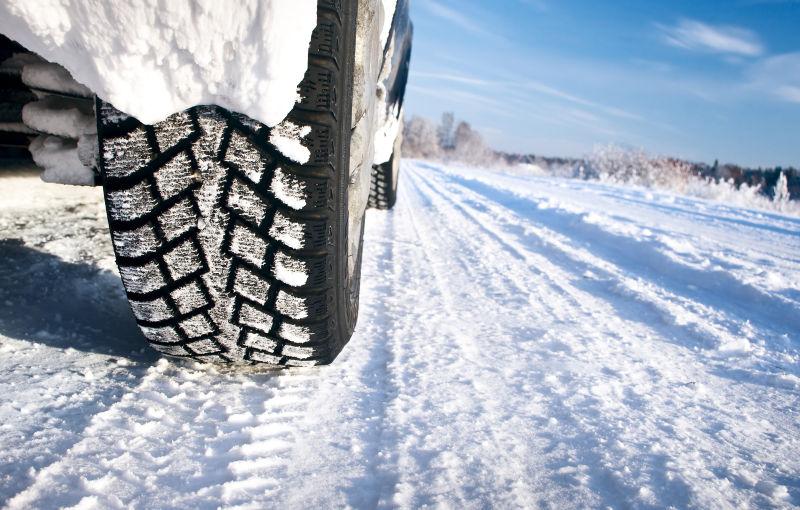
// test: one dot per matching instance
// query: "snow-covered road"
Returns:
(522, 342)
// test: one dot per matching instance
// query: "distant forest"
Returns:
(765, 179)
(455, 140)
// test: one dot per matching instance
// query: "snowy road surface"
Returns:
(522, 342)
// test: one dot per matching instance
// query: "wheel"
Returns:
(228, 249)
(383, 182)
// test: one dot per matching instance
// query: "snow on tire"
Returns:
(228, 249)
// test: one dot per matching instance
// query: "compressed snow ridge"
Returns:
(151, 59)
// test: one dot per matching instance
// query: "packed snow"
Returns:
(151, 59)
(522, 342)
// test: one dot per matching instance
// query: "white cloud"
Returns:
(694, 35)
(529, 86)
(779, 76)
(455, 17)
(789, 92)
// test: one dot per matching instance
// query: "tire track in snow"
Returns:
(726, 292)
(675, 362)
(487, 369)
(184, 437)
(712, 326)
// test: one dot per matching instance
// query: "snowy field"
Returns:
(522, 342)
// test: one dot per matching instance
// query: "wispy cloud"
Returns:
(455, 17)
(530, 86)
(554, 92)
(779, 76)
(728, 40)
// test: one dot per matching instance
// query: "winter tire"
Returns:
(383, 182)
(229, 250)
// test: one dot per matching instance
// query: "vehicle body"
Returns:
(238, 239)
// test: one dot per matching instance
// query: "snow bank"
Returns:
(151, 59)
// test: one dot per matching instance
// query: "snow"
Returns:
(386, 135)
(286, 138)
(52, 77)
(288, 189)
(61, 116)
(522, 342)
(161, 58)
(387, 13)
(60, 160)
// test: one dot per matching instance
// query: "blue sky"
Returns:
(698, 80)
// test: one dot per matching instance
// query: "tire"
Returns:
(383, 183)
(228, 250)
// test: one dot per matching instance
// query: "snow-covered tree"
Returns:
(469, 147)
(445, 131)
(780, 195)
(420, 139)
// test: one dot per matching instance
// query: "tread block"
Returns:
(246, 202)
(135, 243)
(303, 351)
(263, 357)
(183, 260)
(212, 127)
(245, 243)
(164, 334)
(174, 177)
(261, 342)
(205, 346)
(297, 334)
(300, 307)
(248, 284)
(255, 318)
(189, 297)
(127, 154)
(196, 326)
(303, 362)
(172, 350)
(290, 232)
(175, 129)
(142, 279)
(247, 157)
(151, 311)
(132, 203)
(297, 191)
(290, 270)
(177, 220)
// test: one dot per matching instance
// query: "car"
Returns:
(237, 231)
